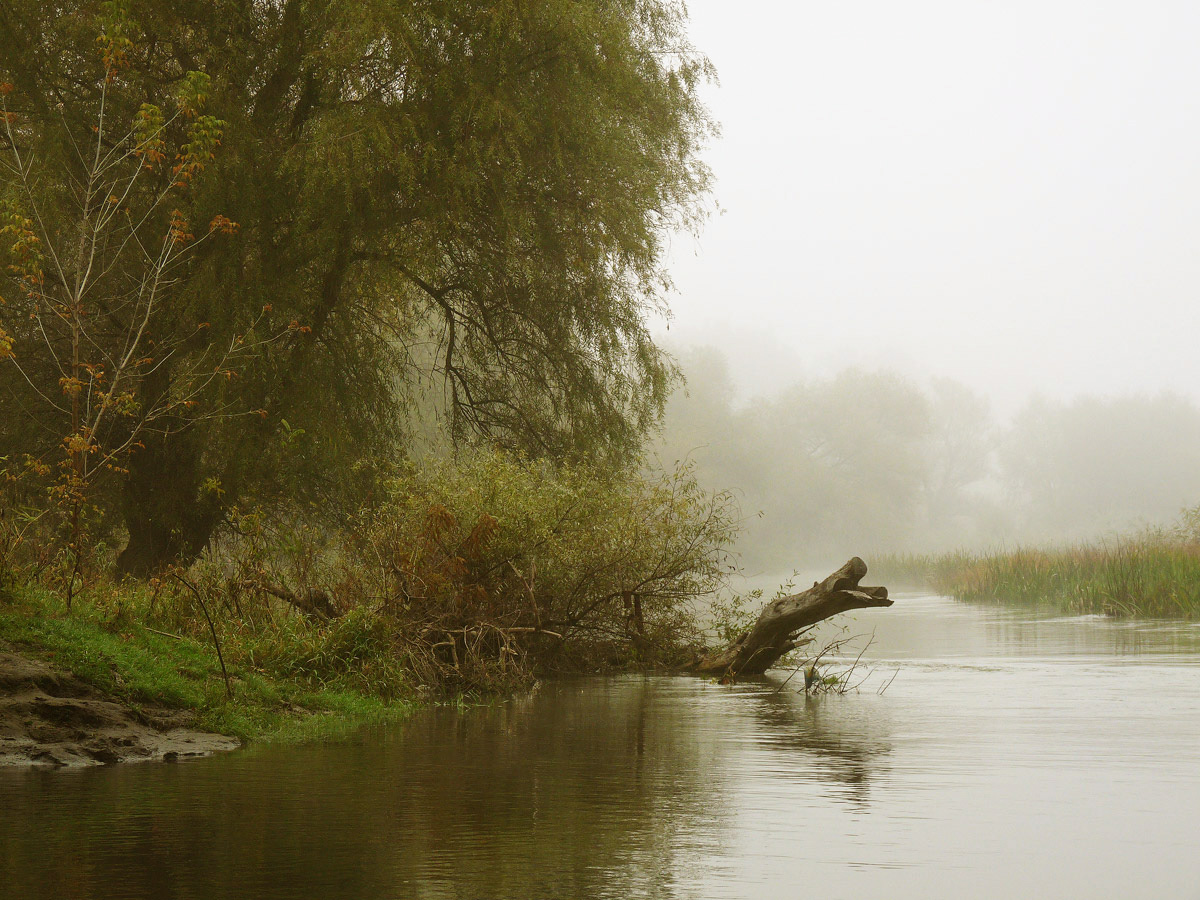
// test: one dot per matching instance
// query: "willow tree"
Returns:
(464, 197)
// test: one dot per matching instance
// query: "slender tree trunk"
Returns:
(777, 629)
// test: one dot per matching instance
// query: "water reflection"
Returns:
(597, 788)
(576, 792)
(925, 626)
(1059, 759)
(840, 742)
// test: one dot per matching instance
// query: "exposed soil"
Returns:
(51, 718)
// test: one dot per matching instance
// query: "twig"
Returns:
(213, 631)
(525, 629)
(789, 678)
(177, 637)
(854, 665)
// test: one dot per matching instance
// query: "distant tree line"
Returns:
(875, 462)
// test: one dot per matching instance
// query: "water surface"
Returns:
(1012, 756)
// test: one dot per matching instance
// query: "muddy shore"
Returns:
(52, 718)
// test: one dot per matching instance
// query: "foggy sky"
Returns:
(1004, 193)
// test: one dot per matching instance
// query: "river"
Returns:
(1011, 755)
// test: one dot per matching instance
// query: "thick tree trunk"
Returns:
(777, 629)
(167, 518)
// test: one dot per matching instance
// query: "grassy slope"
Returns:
(103, 643)
(1129, 578)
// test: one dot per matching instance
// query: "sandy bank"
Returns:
(51, 718)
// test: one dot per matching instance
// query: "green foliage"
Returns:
(472, 193)
(477, 192)
(495, 567)
(354, 652)
(730, 615)
(104, 642)
(96, 354)
(463, 578)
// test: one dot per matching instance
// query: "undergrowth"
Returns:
(460, 579)
(294, 684)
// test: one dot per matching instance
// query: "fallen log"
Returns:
(777, 629)
(313, 602)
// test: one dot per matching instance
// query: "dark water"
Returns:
(1012, 756)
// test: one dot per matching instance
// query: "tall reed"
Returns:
(1147, 575)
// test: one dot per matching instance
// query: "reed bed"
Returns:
(1143, 576)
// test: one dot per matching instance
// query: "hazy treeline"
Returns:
(875, 462)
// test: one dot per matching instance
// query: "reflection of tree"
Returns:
(844, 738)
(578, 791)
(589, 789)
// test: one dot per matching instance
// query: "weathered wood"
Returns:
(776, 631)
(314, 602)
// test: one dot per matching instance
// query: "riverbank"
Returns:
(130, 682)
(51, 718)
(1149, 577)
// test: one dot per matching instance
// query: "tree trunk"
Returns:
(167, 518)
(777, 629)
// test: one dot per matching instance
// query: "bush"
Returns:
(493, 568)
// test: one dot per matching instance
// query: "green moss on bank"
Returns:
(281, 692)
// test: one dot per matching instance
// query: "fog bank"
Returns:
(868, 461)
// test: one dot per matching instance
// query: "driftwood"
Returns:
(777, 629)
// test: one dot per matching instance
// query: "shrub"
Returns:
(493, 567)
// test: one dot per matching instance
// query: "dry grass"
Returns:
(1139, 576)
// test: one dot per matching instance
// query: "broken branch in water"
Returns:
(779, 626)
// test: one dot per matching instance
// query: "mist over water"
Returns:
(949, 295)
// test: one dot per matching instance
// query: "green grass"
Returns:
(302, 682)
(1130, 577)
